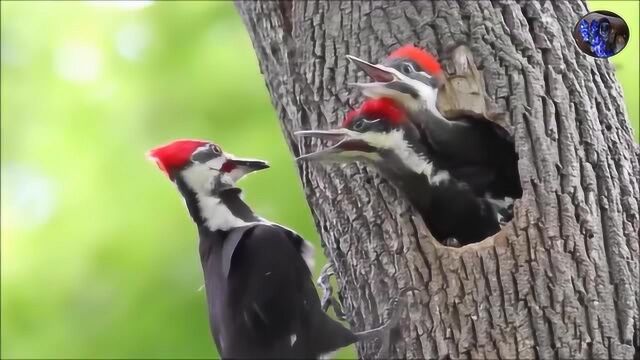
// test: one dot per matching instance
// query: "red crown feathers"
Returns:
(425, 60)
(174, 155)
(383, 108)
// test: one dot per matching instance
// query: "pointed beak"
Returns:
(388, 82)
(377, 72)
(345, 143)
(237, 167)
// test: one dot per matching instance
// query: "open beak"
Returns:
(382, 75)
(390, 78)
(344, 143)
(237, 167)
(387, 81)
(377, 72)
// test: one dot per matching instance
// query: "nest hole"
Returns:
(504, 219)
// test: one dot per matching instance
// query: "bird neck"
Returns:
(222, 210)
(406, 161)
(404, 151)
(424, 111)
(415, 186)
(428, 105)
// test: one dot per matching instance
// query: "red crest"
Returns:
(383, 108)
(174, 155)
(425, 60)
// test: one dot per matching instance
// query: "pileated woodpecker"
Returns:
(380, 131)
(261, 299)
(476, 151)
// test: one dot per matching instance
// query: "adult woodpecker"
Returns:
(262, 302)
(474, 150)
(380, 131)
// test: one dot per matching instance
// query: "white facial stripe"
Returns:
(199, 176)
(380, 140)
(428, 95)
(216, 163)
(395, 141)
(216, 215)
(412, 160)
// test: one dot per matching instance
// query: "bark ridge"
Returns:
(561, 280)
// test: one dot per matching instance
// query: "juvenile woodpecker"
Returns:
(380, 132)
(261, 299)
(476, 151)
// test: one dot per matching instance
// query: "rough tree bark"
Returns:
(561, 280)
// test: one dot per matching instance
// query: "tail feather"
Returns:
(330, 335)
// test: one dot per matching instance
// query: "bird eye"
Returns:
(407, 68)
(358, 125)
(216, 149)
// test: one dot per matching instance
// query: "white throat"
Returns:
(427, 98)
(214, 212)
(430, 99)
(202, 179)
(217, 215)
(412, 160)
(395, 142)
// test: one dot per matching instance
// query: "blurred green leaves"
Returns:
(99, 256)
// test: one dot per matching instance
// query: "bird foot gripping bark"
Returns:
(383, 332)
(327, 300)
(392, 312)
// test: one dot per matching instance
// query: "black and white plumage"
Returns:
(380, 132)
(261, 299)
(475, 151)
(262, 302)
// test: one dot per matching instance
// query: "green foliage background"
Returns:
(99, 256)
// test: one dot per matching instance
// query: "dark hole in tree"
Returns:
(506, 216)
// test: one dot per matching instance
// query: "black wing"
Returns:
(478, 152)
(275, 308)
(456, 212)
(467, 141)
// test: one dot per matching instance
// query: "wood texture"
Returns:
(561, 280)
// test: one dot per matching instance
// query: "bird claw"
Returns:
(392, 312)
(328, 300)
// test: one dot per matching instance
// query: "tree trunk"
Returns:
(562, 279)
